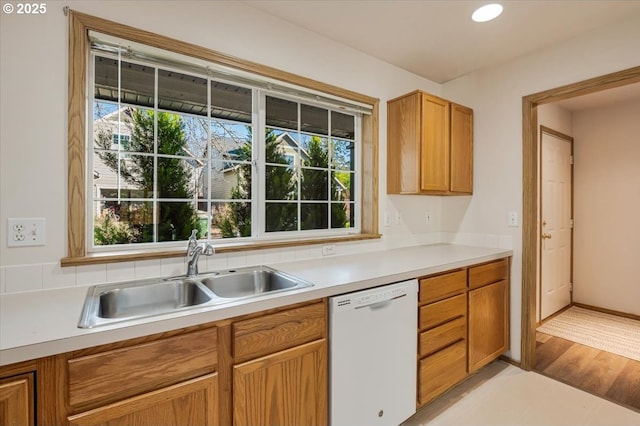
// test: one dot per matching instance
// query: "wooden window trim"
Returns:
(79, 26)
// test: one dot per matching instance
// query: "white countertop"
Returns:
(43, 323)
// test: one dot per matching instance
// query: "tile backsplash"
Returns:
(20, 278)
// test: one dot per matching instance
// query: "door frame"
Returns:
(530, 225)
(568, 139)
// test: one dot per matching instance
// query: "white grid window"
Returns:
(175, 150)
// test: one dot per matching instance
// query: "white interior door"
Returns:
(555, 223)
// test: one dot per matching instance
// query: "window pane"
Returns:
(314, 119)
(112, 127)
(230, 181)
(342, 125)
(342, 215)
(314, 184)
(343, 157)
(230, 102)
(315, 151)
(230, 141)
(139, 124)
(281, 147)
(117, 174)
(103, 109)
(282, 113)
(176, 220)
(172, 134)
(196, 137)
(178, 178)
(126, 222)
(342, 185)
(231, 220)
(314, 216)
(182, 92)
(136, 85)
(281, 217)
(280, 183)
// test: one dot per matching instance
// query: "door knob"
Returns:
(546, 236)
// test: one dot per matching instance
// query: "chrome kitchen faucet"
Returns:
(194, 251)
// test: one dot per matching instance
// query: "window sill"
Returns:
(101, 258)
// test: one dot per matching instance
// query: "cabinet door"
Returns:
(193, 402)
(435, 150)
(461, 149)
(488, 324)
(285, 388)
(403, 145)
(16, 401)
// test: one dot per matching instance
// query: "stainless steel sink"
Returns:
(246, 282)
(110, 303)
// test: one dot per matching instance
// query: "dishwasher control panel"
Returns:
(366, 298)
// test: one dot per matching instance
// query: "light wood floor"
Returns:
(604, 374)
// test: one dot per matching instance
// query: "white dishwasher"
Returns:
(373, 347)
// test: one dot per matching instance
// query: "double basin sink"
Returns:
(110, 303)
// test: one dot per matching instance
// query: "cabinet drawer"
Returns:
(440, 312)
(442, 336)
(488, 273)
(442, 286)
(440, 371)
(281, 330)
(124, 372)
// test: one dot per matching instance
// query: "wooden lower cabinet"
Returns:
(266, 368)
(285, 388)
(442, 333)
(442, 370)
(193, 402)
(463, 325)
(488, 323)
(17, 400)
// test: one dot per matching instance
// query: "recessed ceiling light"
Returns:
(487, 12)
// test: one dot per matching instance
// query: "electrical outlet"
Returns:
(513, 218)
(329, 250)
(427, 216)
(26, 232)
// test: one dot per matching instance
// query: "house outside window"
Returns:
(175, 149)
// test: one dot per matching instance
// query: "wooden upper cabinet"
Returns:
(434, 147)
(461, 149)
(429, 146)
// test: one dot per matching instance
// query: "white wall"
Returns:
(607, 206)
(33, 123)
(496, 94)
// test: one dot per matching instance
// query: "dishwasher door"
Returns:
(373, 347)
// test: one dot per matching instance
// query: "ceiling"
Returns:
(437, 39)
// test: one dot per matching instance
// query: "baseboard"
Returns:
(510, 361)
(608, 311)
